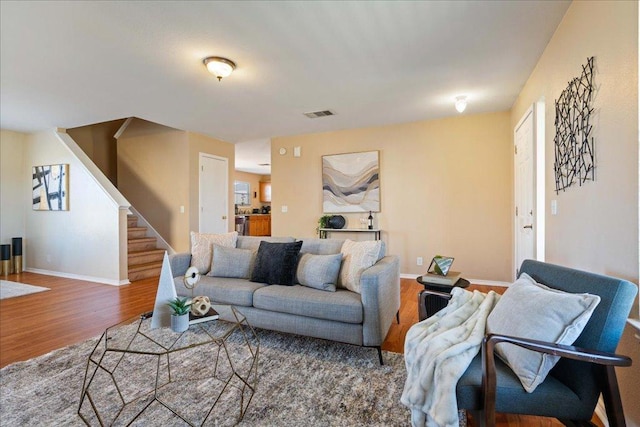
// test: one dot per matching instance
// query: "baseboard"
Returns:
(79, 277)
(601, 412)
(474, 281)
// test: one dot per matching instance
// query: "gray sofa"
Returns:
(361, 319)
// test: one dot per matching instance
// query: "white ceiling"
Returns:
(69, 64)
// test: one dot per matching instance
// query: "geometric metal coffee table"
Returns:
(207, 374)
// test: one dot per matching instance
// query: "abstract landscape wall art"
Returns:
(50, 188)
(351, 182)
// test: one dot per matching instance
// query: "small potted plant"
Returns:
(323, 222)
(180, 315)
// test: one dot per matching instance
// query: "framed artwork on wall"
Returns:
(351, 182)
(50, 188)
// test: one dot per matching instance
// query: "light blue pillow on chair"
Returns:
(532, 310)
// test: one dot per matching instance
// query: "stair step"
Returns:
(141, 244)
(136, 232)
(146, 256)
(145, 271)
(132, 221)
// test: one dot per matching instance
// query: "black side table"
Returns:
(435, 296)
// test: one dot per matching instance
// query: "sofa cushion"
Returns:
(253, 242)
(357, 257)
(221, 290)
(319, 271)
(341, 306)
(321, 246)
(232, 262)
(531, 310)
(202, 248)
(276, 263)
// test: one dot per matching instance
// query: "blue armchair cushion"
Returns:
(531, 310)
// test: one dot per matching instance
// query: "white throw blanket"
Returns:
(438, 350)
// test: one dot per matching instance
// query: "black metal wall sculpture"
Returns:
(574, 143)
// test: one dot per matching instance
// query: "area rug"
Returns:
(300, 381)
(16, 289)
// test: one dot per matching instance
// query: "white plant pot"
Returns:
(180, 323)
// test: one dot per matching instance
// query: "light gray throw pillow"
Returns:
(531, 310)
(319, 271)
(232, 262)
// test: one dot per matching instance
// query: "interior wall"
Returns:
(254, 182)
(81, 242)
(153, 174)
(446, 188)
(98, 143)
(14, 192)
(203, 144)
(596, 227)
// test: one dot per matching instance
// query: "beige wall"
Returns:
(153, 174)
(204, 144)
(254, 182)
(98, 143)
(82, 242)
(445, 189)
(596, 227)
(14, 191)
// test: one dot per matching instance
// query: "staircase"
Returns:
(145, 259)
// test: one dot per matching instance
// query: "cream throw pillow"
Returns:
(202, 248)
(531, 310)
(357, 257)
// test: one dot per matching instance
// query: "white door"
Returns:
(525, 232)
(214, 192)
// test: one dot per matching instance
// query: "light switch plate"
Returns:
(296, 151)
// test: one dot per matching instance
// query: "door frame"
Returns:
(201, 155)
(537, 110)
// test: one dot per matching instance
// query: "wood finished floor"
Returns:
(74, 310)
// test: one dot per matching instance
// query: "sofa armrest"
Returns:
(179, 263)
(380, 293)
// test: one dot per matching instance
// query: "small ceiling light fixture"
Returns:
(461, 103)
(218, 66)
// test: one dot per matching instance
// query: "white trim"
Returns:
(122, 128)
(94, 172)
(472, 281)
(101, 280)
(601, 412)
(635, 324)
(539, 177)
(151, 232)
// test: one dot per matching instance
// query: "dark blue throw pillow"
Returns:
(276, 263)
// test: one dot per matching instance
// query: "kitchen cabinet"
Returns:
(259, 225)
(265, 192)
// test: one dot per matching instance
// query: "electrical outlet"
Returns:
(285, 208)
(419, 261)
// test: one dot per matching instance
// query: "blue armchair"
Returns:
(571, 390)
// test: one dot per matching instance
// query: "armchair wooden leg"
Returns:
(611, 397)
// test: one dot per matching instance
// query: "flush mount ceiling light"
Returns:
(461, 103)
(218, 66)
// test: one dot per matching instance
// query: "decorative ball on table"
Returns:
(200, 305)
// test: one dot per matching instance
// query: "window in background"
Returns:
(242, 190)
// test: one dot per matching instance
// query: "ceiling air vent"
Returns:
(264, 164)
(316, 114)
